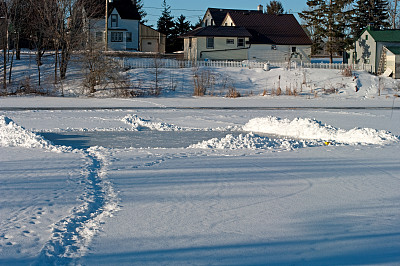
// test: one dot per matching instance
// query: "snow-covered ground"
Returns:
(311, 179)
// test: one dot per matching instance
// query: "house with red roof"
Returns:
(247, 35)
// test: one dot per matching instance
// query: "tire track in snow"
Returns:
(72, 235)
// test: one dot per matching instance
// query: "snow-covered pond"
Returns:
(135, 139)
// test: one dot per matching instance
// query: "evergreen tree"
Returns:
(275, 7)
(166, 25)
(374, 13)
(328, 22)
(142, 13)
(182, 26)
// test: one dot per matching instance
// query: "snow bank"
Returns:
(309, 129)
(140, 124)
(252, 142)
(13, 135)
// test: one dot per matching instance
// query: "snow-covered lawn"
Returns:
(311, 179)
(284, 186)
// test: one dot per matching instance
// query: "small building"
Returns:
(378, 50)
(248, 35)
(151, 40)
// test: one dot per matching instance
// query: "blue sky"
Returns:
(193, 9)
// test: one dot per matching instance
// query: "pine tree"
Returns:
(328, 23)
(374, 13)
(313, 19)
(166, 25)
(275, 7)
(142, 13)
(182, 26)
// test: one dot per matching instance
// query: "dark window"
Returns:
(294, 50)
(117, 36)
(366, 37)
(190, 42)
(129, 37)
(240, 42)
(114, 21)
(99, 36)
(230, 41)
(210, 43)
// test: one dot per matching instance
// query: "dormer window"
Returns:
(114, 21)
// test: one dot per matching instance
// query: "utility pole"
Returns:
(106, 28)
(394, 15)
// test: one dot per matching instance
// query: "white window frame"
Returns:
(210, 42)
(241, 42)
(114, 20)
(117, 36)
(230, 41)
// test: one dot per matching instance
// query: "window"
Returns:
(273, 47)
(230, 41)
(240, 42)
(366, 37)
(210, 43)
(117, 36)
(190, 42)
(114, 21)
(129, 37)
(99, 36)
(149, 43)
(294, 50)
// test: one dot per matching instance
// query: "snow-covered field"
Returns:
(306, 180)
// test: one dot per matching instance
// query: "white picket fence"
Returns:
(130, 63)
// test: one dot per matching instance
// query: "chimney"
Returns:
(260, 8)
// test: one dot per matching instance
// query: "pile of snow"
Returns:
(309, 129)
(13, 135)
(252, 142)
(139, 124)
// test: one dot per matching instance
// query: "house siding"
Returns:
(221, 50)
(264, 52)
(124, 26)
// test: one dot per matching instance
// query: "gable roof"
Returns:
(219, 14)
(394, 49)
(125, 8)
(218, 31)
(271, 29)
(383, 35)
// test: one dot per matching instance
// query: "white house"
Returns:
(267, 38)
(125, 33)
(379, 50)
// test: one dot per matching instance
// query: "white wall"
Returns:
(124, 26)
(264, 52)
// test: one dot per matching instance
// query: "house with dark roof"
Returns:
(125, 32)
(379, 50)
(215, 16)
(248, 35)
(123, 23)
(217, 43)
